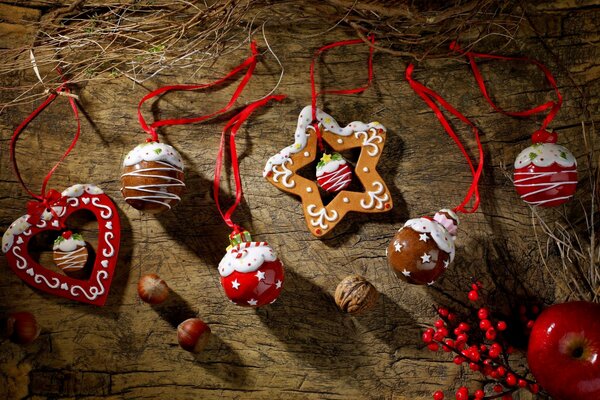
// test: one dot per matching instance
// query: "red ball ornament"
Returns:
(333, 173)
(545, 173)
(422, 250)
(251, 273)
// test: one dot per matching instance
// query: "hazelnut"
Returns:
(21, 327)
(355, 294)
(193, 335)
(152, 289)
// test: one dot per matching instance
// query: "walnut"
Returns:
(355, 294)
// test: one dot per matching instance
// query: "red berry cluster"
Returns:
(482, 348)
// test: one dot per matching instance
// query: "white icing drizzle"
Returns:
(336, 180)
(330, 166)
(153, 151)
(375, 200)
(69, 244)
(71, 260)
(321, 216)
(544, 155)
(327, 122)
(157, 193)
(79, 189)
(285, 174)
(246, 257)
(39, 278)
(18, 227)
(440, 235)
(521, 179)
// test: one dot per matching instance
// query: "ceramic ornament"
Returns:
(333, 173)
(423, 248)
(94, 290)
(251, 273)
(545, 173)
(152, 179)
(70, 253)
(281, 170)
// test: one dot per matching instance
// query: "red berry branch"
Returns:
(482, 347)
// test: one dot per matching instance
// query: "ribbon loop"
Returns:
(430, 97)
(50, 197)
(553, 105)
(234, 125)
(249, 65)
(315, 94)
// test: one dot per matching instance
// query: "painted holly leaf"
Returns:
(533, 156)
(77, 236)
(563, 155)
(158, 151)
(336, 157)
(59, 240)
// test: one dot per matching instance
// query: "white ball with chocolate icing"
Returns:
(153, 179)
(423, 249)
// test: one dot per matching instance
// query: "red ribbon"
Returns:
(313, 88)
(249, 64)
(430, 97)
(44, 200)
(554, 106)
(234, 124)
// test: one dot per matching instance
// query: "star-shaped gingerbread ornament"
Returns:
(281, 170)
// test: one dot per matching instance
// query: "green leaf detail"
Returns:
(563, 155)
(533, 156)
(158, 151)
(59, 240)
(336, 157)
(77, 236)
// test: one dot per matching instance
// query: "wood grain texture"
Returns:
(301, 347)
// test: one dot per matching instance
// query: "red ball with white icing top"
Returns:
(333, 173)
(251, 273)
(545, 174)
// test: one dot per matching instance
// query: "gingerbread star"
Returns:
(281, 170)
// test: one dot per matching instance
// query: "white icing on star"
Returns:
(405, 272)
(425, 258)
(423, 237)
(544, 155)
(300, 136)
(252, 302)
(446, 263)
(438, 233)
(246, 257)
(278, 284)
(260, 275)
(235, 284)
(430, 283)
(153, 151)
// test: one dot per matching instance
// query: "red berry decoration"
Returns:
(251, 273)
(545, 173)
(422, 250)
(439, 395)
(480, 350)
(333, 173)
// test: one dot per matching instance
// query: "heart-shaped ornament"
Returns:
(95, 289)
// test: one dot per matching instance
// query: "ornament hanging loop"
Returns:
(315, 93)
(44, 200)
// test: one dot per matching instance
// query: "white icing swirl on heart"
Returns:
(544, 155)
(154, 151)
(441, 236)
(246, 257)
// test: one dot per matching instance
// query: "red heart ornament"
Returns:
(78, 197)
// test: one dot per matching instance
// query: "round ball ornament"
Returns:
(152, 179)
(423, 248)
(333, 173)
(70, 253)
(251, 273)
(545, 173)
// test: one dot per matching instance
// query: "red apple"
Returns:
(564, 351)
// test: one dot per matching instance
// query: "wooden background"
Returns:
(301, 347)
